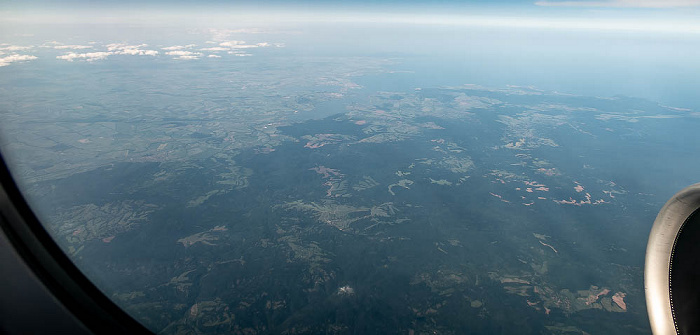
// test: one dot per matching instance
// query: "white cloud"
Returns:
(61, 46)
(233, 46)
(223, 34)
(133, 50)
(120, 46)
(215, 49)
(181, 54)
(7, 47)
(7, 60)
(623, 3)
(89, 56)
(244, 46)
(137, 52)
(214, 56)
(112, 49)
(179, 47)
(231, 43)
(74, 47)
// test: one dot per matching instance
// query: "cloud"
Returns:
(120, 46)
(214, 56)
(61, 46)
(133, 50)
(223, 34)
(74, 47)
(89, 56)
(179, 47)
(137, 52)
(243, 45)
(7, 60)
(112, 49)
(215, 49)
(231, 43)
(7, 47)
(181, 54)
(234, 47)
(623, 3)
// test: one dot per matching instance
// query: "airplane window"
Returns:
(371, 168)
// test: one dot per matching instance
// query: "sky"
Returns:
(644, 15)
(627, 15)
(660, 37)
(670, 8)
(558, 3)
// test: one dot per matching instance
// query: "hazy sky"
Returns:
(645, 48)
(628, 15)
(575, 8)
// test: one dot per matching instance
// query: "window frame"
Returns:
(54, 269)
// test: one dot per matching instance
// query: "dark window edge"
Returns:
(54, 268)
